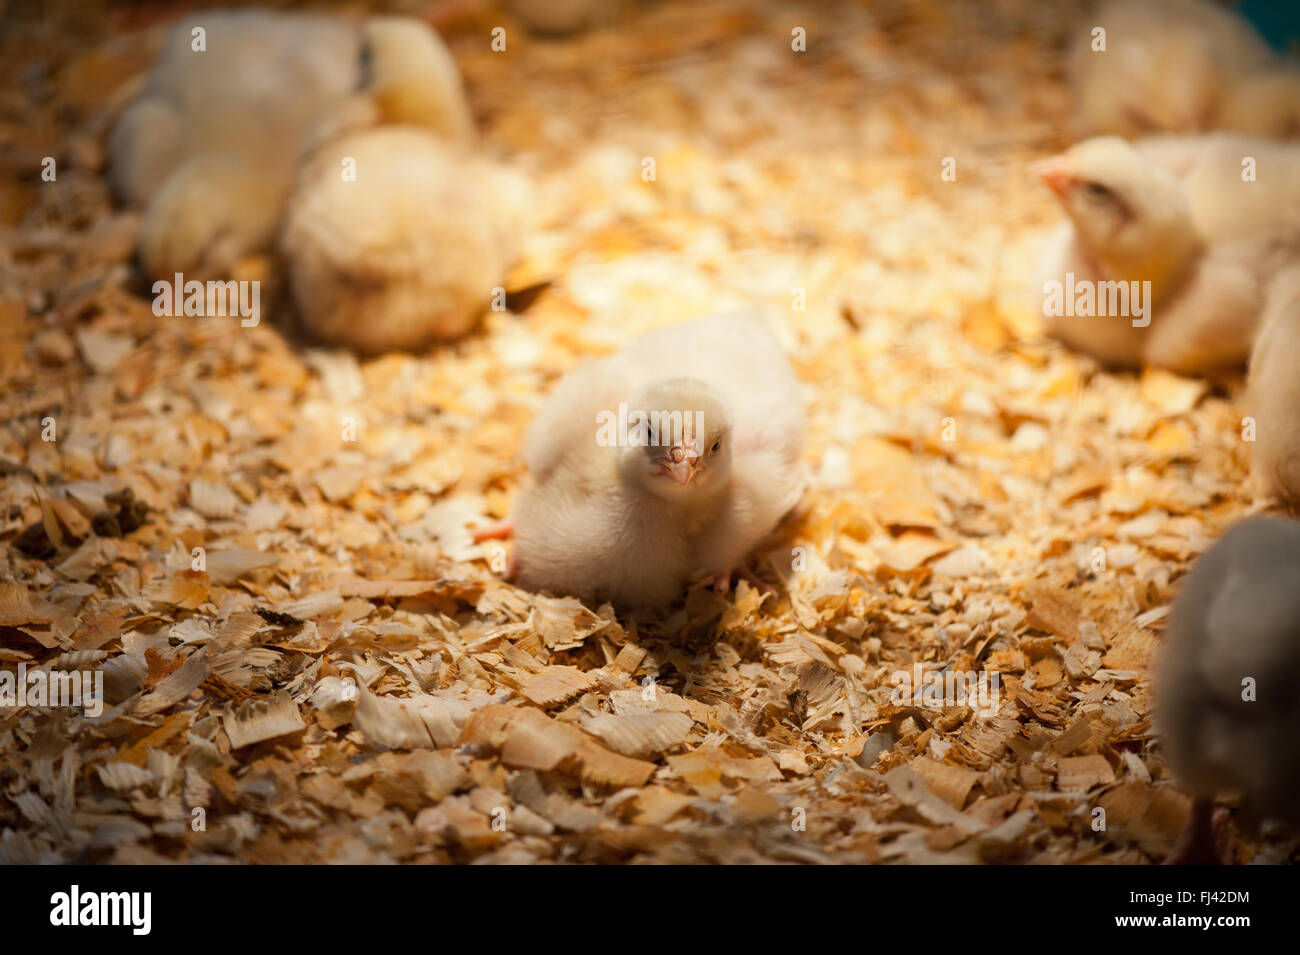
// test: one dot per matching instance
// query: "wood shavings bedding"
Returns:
(349, 679)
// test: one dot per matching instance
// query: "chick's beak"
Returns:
(681, 465)
(1055, 173)
(680, 471)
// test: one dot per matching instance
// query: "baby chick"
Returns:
(192, 98)
(1226, 673)
(1174, 212)
(1129, 221)
(211, 146)
(1273, 392)
(618, 514)
(408, 251)
(225, 123)
(1167, 66)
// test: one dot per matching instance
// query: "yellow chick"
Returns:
(1192, 229)
(1273, 393)
(412, 79)
(1166, 67)
(230, 100)
(395, 238)
(211, 146)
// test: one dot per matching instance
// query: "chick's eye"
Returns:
(716, 445)
(365, 66)
(1097, 191)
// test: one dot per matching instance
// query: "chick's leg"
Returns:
(722, 580)
(744, 573)
(1199, 843)
(500, 530)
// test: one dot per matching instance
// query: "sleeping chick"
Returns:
(1166, 67)
(407, 252)
(1273, 393)
(618, 511)
(229, 120)
(1174, 212)
(211, 146)
(1225, 678)
(196, 102)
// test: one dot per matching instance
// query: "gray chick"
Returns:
(1227, 677)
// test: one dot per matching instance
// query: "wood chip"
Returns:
(258, 720)
(640, 734)
(556, 684)
(1082, 773)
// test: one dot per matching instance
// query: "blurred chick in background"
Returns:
(1177, 212)
(1179, 66)
(1225, 680)
(227, 144)
(1273, 393)
(409, 248)
(1222, 254)
(209, 148)
(410, 251)
(1265, 104)
(409, 77)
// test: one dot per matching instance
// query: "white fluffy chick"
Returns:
(1175, 212)
(408, 252)
(629, 523)
(211, 146)
(1166, 67)
(1273, 393)
(1225, 678)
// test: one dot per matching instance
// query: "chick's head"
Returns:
(1131, 218)
(679, 441)
(412, 79)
